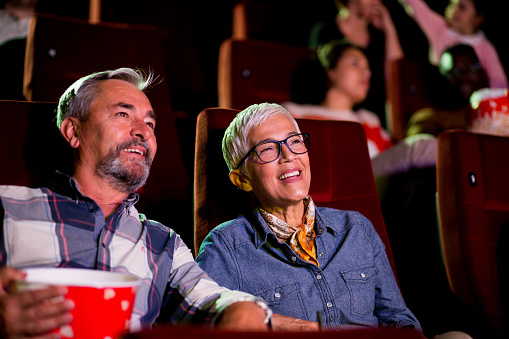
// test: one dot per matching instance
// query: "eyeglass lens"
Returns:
(270, 151)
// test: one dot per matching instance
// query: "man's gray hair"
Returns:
(76, 100)
(235, 139)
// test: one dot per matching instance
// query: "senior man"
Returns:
(88, 220)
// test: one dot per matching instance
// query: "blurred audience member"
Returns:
(368, 24)
(462, 24)
(14, 19)
(464, 74)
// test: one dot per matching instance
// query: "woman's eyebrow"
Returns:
(289, 134)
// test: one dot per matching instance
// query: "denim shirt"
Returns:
(353, 286)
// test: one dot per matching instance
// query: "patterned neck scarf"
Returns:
(301, 238)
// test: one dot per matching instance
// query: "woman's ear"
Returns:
(69, 130)
(240, 180)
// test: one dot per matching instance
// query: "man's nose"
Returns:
(141, 130)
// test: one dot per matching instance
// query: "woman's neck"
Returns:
(292, 214)
(337, 100)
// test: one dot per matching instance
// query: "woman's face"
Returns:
(351, 76)
(462, 16)
(285, 181)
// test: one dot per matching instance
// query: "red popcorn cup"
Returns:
(103, 300)
(490, 111)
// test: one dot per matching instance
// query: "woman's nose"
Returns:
(286, 154)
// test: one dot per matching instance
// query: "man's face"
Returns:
(117, 142)
(464, 73)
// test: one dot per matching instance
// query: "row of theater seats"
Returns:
(471, 174)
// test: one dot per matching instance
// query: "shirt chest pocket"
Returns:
(361, 286)
(279, 294)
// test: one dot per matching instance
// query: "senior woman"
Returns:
(309, 263)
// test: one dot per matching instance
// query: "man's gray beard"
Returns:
(122, 177)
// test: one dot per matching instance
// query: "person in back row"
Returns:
(89, 220)
(368, 24)
(450, 102)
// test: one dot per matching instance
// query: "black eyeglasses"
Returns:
(270, 150)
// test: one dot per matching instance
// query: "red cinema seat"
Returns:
(254, 71)
(473, 210)
(32, 147)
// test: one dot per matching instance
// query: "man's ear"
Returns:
(69, 130)
(240, 180)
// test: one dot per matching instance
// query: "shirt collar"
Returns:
(66, 185)
(471, 39)
(263, 230)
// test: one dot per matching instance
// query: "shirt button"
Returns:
(277, 295)
(329, 304)
(318, 277)
(363, 275)
(294, 258)
(320, 254)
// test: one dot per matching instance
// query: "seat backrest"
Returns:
(473, 207)
(32, 147)
(287, 22)
(407, 93)
(342, 176)
(254, 71)
(62, 50)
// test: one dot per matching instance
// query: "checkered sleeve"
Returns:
(193, 297)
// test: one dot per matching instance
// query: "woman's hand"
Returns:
(380, 17)
(243, 316)
(32, 313)
(284, 323)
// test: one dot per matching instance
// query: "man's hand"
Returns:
(243, 316)
(32, 313)
(284, 323)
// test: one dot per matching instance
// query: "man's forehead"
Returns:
(121, 94)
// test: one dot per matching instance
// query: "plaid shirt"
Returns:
(67, 229)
